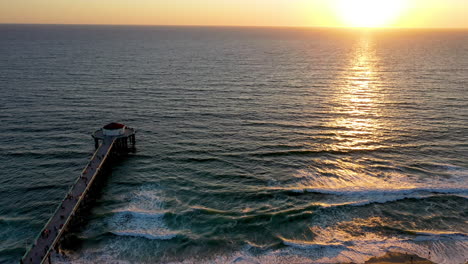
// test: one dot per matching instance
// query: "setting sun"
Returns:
(369, 13)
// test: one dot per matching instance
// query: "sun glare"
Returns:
(369, 13)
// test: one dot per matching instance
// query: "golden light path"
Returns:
(357, 100)
(357, 125)
(369, 13)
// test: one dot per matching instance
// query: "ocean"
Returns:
(254, 145)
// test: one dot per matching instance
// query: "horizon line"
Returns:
(237, 26)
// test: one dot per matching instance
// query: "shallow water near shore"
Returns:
(255, 145)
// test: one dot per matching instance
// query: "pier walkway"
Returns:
(49, 237)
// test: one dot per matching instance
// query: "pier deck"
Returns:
(54, 229)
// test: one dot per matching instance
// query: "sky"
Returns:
(302, 13)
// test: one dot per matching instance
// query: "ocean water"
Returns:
(255, 145)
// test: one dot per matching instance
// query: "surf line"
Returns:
(112, 141)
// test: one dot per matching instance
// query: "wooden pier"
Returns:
(112, 140)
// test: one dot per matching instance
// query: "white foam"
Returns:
(141, 217)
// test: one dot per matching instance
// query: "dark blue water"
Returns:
(255, 145)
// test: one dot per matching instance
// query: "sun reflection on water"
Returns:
(359, 127)
(356, 104)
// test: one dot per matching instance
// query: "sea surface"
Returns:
(254, 145)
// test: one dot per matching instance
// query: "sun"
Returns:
(369, 13)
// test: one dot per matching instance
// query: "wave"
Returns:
(366, 191)
(402, 193)
(140, 213)
(143, 234)
(142, 217)
(439, 235)
(44, 187)
(362, 197)
(305, 152)
(348, 183)
(310, 245)
(6, 219)
(328, 198)
(277, 124)
(417, 236)
(350, 242)
(201, 160)
(337, 251)
(49, 154)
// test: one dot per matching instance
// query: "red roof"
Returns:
(114, 126)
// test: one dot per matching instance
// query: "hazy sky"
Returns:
(325, 13)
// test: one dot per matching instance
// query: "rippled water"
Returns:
(254, 145)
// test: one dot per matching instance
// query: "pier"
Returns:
(111, 141)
